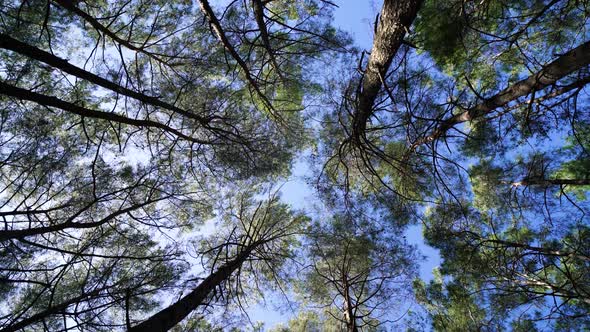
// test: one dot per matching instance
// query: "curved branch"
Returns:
(216, 26)
(69, 5)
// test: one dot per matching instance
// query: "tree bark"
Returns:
(349, 317)
(395, 20)
(566, 64)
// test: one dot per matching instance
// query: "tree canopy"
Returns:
(144, 145)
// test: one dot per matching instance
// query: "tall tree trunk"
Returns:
(394, 22)
(348, 308)
(176, 312)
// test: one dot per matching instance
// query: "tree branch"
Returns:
(566, 64)
(24, 94)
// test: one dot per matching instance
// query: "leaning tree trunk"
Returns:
(394, 22)
(172, 315)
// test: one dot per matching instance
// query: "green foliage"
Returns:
(451, 306)
(353, 265)
(440, 29)
(131, 167)
(524, 324)
(578, 168)
(407, 177)
(484, 180)
(482, 140)
(305, 321)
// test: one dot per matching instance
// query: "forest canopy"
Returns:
(145, 145)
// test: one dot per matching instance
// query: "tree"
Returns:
(453, 307)
(509, 264)
(257, 242)
(120, 122)
(356, 266)
(475, 114)
(104, 278)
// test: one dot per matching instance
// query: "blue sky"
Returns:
(357, 18)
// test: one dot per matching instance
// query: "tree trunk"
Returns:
(348, 309)
(394, 22)
(176, 312)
